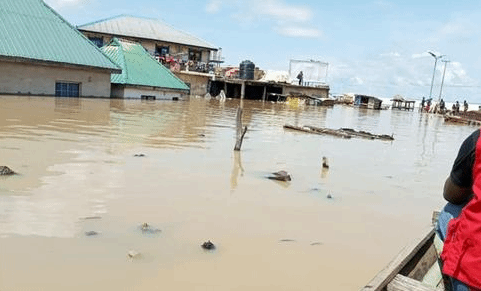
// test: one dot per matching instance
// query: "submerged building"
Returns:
(365, 101)
(142, 76)
(42, 54)
(160, 39)
(189, 57)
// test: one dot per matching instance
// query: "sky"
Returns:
(377, 47)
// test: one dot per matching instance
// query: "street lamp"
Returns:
(436, 57)
(442, 82)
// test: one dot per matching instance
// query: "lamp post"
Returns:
(436, 57)
(442, 82)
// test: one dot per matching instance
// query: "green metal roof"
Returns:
(31, 30)
(139, 67)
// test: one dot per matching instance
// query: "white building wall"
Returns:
(137, 92)
(33, 79)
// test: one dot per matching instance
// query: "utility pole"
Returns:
(436, 57)
(442, 82)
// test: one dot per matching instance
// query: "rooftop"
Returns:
(146, 28)
(139, 68)
(32, 31)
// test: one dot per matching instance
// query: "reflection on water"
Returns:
(75, 159)
(237, 170)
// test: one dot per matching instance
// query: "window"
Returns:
(162, 50)
(195, 55)
(147, 97)
(65, 89)
(98, 41)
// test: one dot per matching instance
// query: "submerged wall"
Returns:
(137, 92)
(320, 92)
(36, 79)
(196, 81)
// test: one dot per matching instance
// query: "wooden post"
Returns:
(240, 132)
(243, 94)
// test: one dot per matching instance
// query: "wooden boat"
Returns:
(416, 267)
(461, 120)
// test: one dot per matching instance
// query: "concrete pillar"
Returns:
(264, 94)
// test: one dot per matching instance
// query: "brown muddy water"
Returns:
(75, 159)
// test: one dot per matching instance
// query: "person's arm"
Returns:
(458, 186)
(456, 194)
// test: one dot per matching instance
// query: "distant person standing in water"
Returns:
(421, 106)
(428, 105)
(300, 76)
(465, 106)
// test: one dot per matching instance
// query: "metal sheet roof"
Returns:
(30, 29)
(139, 68)
(147, 28)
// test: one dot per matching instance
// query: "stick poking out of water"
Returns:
(240, 131)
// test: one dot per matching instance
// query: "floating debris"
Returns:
(368, 135)
(133, 254)
(91, 233)
(6, 171)
(287, 240)
(316, 243)
(146, 228)
(325, 163)
(90, 218)
(314, 190)
(280, 176)
(208, 245)
(309, 129)
(139, 155)
(342, 132)
(329, 196)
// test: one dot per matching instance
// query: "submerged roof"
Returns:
(147, 28)
(31, 30)
(138, 67)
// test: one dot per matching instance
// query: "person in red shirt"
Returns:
(459, 224)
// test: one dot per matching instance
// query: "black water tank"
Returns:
(246, 70)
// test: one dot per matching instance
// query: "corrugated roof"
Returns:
(30, 29)
(139, 68)
(147, 28)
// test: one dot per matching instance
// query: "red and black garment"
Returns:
(462, 248)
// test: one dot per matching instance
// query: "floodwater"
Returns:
(78, 173)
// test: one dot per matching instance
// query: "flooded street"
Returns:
(78, 173)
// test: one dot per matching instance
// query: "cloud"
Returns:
(419, 55)
(279, 10)
(302, 32)
(357, 81)
(391, 55)
(426, 54)
(456, 75)
(285, 19)
(410, 77)
(382, 4)
(59, 4)
(213, 6)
